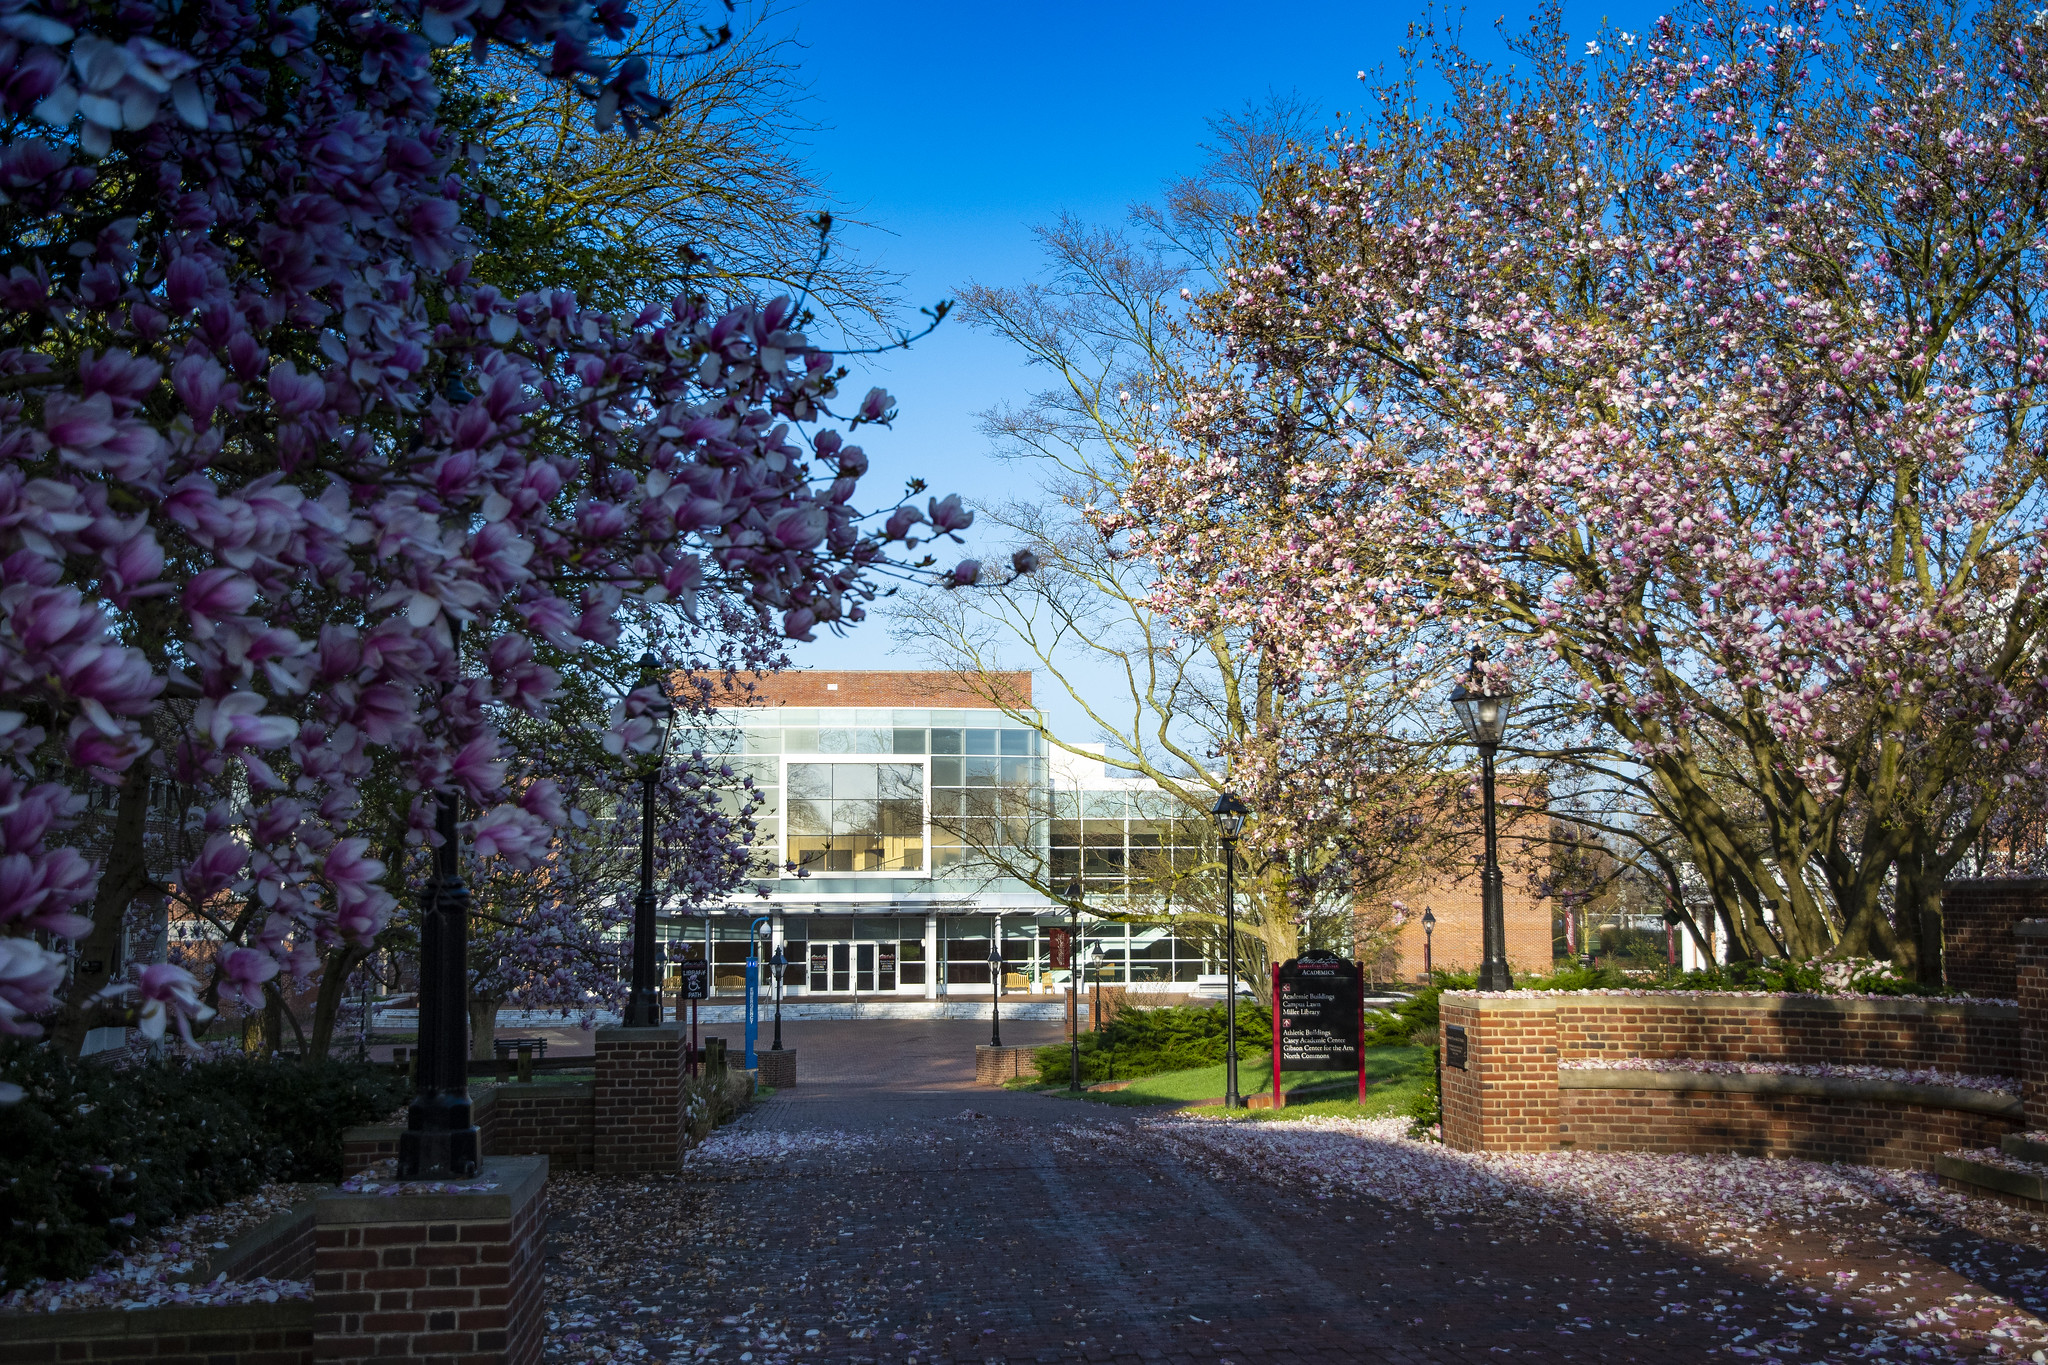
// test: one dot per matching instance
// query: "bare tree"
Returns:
(1351, 799)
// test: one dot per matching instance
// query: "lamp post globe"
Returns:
(1073, 996)
(643, 995)
(1484, 712)
(1428, 940)
(1229, 814)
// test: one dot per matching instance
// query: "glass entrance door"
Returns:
(852, 968)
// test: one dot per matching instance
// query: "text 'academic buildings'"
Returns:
(904, 824)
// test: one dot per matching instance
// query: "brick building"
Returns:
(887, 792)
(1456, 943)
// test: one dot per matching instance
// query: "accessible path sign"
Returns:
(1318, 1017)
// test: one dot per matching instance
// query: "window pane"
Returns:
(804, 741)
(981, 741)
(1066, 863)
(1018, 741)
(902, 781)
(855, 781)
(945, 741)
(909, 742)
(1103, 834)
(856, 817)
(1066, 833)
(810, 780)
(810, 817)
(945, 772)
(983, 772)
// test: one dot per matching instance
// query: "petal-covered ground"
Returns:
(881, 1222)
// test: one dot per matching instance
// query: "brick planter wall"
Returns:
(994, 1065)
(557, 1121)
(434, 1276)
(1508, 1098)
(226, 1334)
(1977, 919)
(777, 1069)
(1870, 1133)
(639, 1100)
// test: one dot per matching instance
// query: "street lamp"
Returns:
(441, 1140)
(781, 962)
(1428, 935)
(1229, 813)
(643, 998)
(995, 986)
(1073, 1000)
(1485, 715)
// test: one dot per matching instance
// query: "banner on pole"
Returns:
(1062, 949)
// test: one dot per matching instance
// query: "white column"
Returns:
(932, 966)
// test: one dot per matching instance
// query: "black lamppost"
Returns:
(1486, 721)
(1428, 935)
(1229, 813)
(643, 998)
(440, 1140)
(995, 986)
(781, 970)
(1073, 975)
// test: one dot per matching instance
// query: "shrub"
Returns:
(1146, 1042)
(712, 1099)
(97, 1156)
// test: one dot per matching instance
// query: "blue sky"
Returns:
(955, 128)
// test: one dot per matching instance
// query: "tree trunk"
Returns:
(123, 877)
(333, 985)
(483, 1027)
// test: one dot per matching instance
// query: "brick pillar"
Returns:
(433, 1276)
(1504, 1099)
(2030, 943)
(640, 1125)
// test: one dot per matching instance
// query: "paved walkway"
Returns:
(884, 1211)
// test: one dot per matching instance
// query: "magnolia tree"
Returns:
(267, 446)
(1697, 371)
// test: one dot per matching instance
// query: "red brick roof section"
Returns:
(881, 687)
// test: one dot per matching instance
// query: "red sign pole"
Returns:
(1276, 1035)
(1361, 1033)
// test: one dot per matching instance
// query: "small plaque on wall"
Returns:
(1454, 1045)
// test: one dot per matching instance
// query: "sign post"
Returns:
(1318, 1017)
(696, 985)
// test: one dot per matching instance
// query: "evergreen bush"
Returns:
(96, 1156)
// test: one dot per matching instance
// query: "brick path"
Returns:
(880, 1222)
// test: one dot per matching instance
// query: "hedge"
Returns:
(96, 1156)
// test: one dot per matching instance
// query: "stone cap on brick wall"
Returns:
(1745, 1000)
(519, 1180)
(2030, 928)
(653, 1033)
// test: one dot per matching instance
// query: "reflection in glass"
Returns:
(856, 817)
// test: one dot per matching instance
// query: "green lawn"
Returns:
(1392, 1077)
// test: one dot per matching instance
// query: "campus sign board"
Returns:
(1318, 1017)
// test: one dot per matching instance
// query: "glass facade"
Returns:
(891, 842)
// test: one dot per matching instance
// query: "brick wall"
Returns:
(226, 1334)
(434, 1276)
(2031, 981)
(777, 1069)
(881, 687)
(639, 1100)
(557, 1121)
(1977, 919)
(1507, 1099)
(994, 1065)
(1867, 1132)
(1976, 1040)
